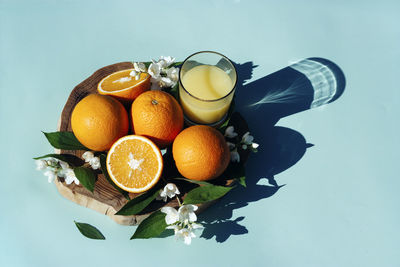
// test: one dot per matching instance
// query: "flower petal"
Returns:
(64, 165)
(235, 157)
(255, 145)
(173, 74)
(40, 164)
(166, 82)
(154, 70)
(230, 132)
(88, 155)
(247, 138)
(171, 215)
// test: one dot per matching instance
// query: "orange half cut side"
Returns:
(134, 163)
(123, 86)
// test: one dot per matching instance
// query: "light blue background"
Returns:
(340, 205)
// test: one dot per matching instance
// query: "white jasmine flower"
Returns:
(182, 221)
(173, 74)
(172, 215)
(64, 165)
(154, 70)
(165, 62)
(166, 82)
(186, 235)
(235, 157)
(194, 226)
(139, 66)
(51, 162)
(51, 175)
(155, 83)
(186, 213)
(64, 168)
(95, 163)
(88, 155)
(70, 177)
(134, 73)
(231, 145)
(255, 145)
(40, 164)
(174, 227)
(247, 139)
(230, 132)
(169, 191)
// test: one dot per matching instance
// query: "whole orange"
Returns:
(158, 116)
(200, 153)
(98, 121)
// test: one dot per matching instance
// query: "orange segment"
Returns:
(134, 163)
(123, 86)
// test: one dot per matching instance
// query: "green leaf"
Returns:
(64, 140)
(71, 159)
(152, 226)
(89, 231)
(137, 204)
(174, 92)
(176, 64)
(242, 181)
(103, 159)
(86, 177)
(147, 64)
(205, 193)
(192, 181)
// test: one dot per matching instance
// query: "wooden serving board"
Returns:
(105, 198)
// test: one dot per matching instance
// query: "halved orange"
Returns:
(134, 163)
(123, 86)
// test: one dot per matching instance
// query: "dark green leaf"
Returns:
(64, 140)
(137, 204)
(89, 231)
(86, 177)
(176, 64)
(152, 226)
(206, 193)
(147, 64)
(193, 181)
(174, 92)
(103, 159)
(71, 159)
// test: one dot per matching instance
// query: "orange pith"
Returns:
(134, 163)
(123, 86)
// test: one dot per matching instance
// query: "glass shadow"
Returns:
(309, 83)
(306, 84)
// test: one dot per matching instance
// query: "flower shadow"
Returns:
(304, 85)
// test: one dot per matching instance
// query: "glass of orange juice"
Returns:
(207, 82)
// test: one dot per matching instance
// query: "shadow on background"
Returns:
(306, 84)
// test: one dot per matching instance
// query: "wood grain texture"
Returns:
(105, 198)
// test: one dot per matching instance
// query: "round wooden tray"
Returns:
(105, 198)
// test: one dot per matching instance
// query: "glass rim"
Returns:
(208, 100)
